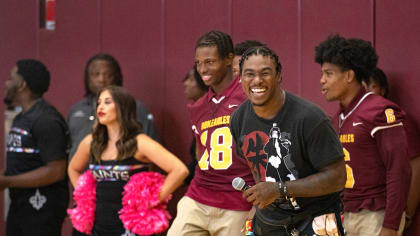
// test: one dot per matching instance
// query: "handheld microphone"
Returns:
(239, 184)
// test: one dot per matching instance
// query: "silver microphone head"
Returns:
(238, 183)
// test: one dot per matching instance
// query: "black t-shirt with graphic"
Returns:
(38, 136)
(298, 142)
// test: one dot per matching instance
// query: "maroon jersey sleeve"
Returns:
(391, 140)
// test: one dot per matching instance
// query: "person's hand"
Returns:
(250, 216)
(263, 194)
(388, 232)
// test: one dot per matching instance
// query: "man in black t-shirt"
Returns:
(37, 150)
(292, 150)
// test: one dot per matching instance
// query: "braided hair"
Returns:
(221, 40)
(116, 69)
(241, 47)
(263, 51)
(349, 54)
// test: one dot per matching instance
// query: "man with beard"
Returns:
(37, 150)
(293, 152)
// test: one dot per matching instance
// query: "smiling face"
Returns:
(212, 68)
(106, 110)
(260, 80)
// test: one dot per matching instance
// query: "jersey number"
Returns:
(349, 170)
(220, 154)
(390, 116)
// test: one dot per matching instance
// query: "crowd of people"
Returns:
(301, 172)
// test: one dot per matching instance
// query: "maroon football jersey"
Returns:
(375, 146)
(218, 163)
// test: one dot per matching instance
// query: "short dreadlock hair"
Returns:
(221, 40)
(261, 50)
(241, 47)
(116, 70)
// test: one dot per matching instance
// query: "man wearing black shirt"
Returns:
(37, 150)
(294, 154)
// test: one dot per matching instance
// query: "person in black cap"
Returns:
(37, 150)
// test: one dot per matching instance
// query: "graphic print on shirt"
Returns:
(37, 200)
(113, 172)
(15, 141)
(269, 156)
(277, 150)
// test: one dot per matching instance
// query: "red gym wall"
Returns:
(154, 43)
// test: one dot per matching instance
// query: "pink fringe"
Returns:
(142, 213)
(84, 195)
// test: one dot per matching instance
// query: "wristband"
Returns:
(283, 189)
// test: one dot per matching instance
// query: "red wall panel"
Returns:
(348, 18)
(397, 44)
(154, 43)
(18, 39)
(132, 33)
(274, 23)
(66, 50)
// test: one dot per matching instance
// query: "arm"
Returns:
(414, 193)
(80, 160)
(328, 180)
(156, 153)
(49, 136)
(392, 145)
(52, 172)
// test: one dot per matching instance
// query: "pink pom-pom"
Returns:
(83, 216)
(142, 213)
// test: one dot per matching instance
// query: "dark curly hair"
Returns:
(221, 40)
(380, 78)
(125, 106)
(117, 76)
(241, 47)
(349, 54)
(261, 50)
(35, 74)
